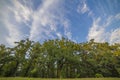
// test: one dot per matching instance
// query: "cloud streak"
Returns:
(82, 7)
(20, 20)
(99, 32)
(50, 19)
(47, 20)
(13, 32)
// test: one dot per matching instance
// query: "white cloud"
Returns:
(59, 35)
(82, 7)
(13, 15)
(96, 31)
(99, 32)
(47, 20)
(115, 36)
(22, 13)
(14, 33)
(20, 21)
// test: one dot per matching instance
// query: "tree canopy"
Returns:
(60, 58)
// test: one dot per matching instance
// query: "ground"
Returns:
(18, 78)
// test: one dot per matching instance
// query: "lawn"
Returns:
(17, 78)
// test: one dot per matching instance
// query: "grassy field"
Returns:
(16, 78)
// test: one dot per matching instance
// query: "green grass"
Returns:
(18, 78)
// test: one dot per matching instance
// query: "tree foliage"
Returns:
(60, 58)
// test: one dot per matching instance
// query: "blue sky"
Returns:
(77, 20)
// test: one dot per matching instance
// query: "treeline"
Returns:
(60, 58)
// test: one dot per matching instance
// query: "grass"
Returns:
(19, 78)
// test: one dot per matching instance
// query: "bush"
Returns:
(98, 75)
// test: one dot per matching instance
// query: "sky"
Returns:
(77, 20)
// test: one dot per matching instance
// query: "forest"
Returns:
(60, 58)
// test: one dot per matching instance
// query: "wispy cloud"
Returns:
(20, 20)
(82, 7)
(99, 32)
(96, 31)
(15, 19)
(22, 12)
(8, 20)
(115, 36)
(47, 20)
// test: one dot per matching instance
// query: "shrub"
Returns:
(98, 75)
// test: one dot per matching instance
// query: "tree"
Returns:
(60, 58)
